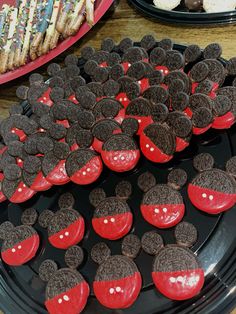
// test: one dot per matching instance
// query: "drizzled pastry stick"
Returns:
(64, 15)
(42, 27)
(3, 18)
(28, 32)
(51, 27)
(90, 12)
(7, 47)
(76, 18)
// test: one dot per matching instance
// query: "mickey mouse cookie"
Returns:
(20, 243)
(117, 282)
(66, 226)
(66, 289)
(162, 205)
(212, 190)
(112, 218)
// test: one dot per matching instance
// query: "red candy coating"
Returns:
(179, 285)
(143, 122)
(210, 201)
(123, 99)
(22, 194)
(181, 144)
(58, 175)
(151, 151)
(113, 227)
(89, 173)
(72, 301)
(121, 161)
(45, 98)
(224, 122)
(22, 252)
(163, 216)
(198, 131)
(69, 236)
(118, 294)
(40, 183)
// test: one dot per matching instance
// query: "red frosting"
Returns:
(198, 131)
(69, 236)
(143, 122)
(89, 173)
(179, 285)
(73, 301)
(181, 144)
(22, 194)
(113, 227)
(210, 201)
(121, 160)
(163, 216)
(151, 151)
(224, 122)
(40, 183)
(58, 176)
(45, 98)
(123, 99)
(118, 294)
(22, 252)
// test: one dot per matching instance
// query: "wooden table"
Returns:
(125, 21)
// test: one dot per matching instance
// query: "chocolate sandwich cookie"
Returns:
(202, 120)
(102, 130)
(178, 75)
(120, 153)
(109, 108)
(117, 282)
(162, 205)
(152, 242)
(158, 143)
(112, 218)
(66, 288)
(53, 164)
(20, 244)
(186, 234)
(140, 109)
(83, 166)
(181, 126)
(192, 53)
(212, 190)
(131, 246)
(176, 273)
(65, 227)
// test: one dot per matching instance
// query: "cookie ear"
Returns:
(159, 113)
(47, 269)
(74, 257)
(123, 189)
(84, 138)
(131, 246)
(182, 127)
(110, 109)
(96, 196)
(45, 218)
(177, 178)
(185, 234)
(130, 126)
(231, 166)
(29, 217)
(5, 229)
(146, 181)
(152, 242)
(66, 200)
(100, 252)
(203, 161)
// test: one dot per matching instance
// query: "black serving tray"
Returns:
(22, 292)
(182, 17)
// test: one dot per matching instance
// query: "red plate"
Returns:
(101, 7)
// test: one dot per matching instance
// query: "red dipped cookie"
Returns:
(83, 166)
(65, 227)
(112, 218)
(162, 205)
(212, 190)
(66, 290)
(109, 108)
(118, 281)
(20, 244)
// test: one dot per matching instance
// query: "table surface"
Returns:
(126, 22)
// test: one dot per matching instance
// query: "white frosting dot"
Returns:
(113, 220)
(164, 209)
(41, 130)
(151, 149)
(118, 289)
(74, 98)
(84, 173)
(129, 65)
(180, 278)
(111, 291)
(13, 131)
(139, 82)
(147, 145)
(13, 250)
(156, 210)
(105, 221)
(24, 185)
(139, 121)
(88, 169)
(120, 99)
(20, 190)
(172, 279)
(44, 98)
(204, 195)
(66, 233)
(125, 99)
(211, 197)
(20, 160)
(122, 158)
(61, 236)
(66, 298)
(61, 169)
(59, 301)
(115, 158)
(19, 247)
(41, 101)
